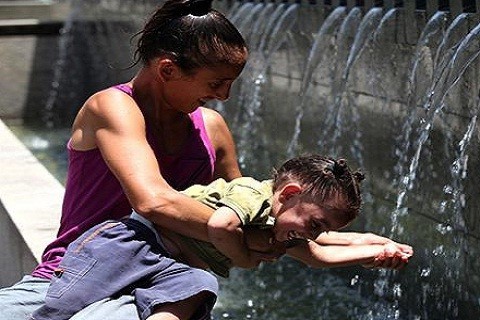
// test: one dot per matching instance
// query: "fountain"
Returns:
(394, 89)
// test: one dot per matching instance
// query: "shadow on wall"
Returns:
(17, 259)
(54, 94)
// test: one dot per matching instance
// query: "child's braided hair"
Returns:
(327, 181)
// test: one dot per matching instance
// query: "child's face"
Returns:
(297, 218)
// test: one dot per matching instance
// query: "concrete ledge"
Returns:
(43, 10)
(29, 27)
(32, 17)
(31, 196)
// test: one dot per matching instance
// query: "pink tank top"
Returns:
(94, 195)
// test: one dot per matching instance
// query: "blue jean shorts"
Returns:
(123, 257)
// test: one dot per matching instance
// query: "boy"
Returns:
(307, 197)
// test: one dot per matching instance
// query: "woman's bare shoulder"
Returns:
(213, 119)
(110, 100)
(109, 109)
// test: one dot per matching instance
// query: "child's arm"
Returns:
(349, 238)
(358, 238)
(226, 234)
(369, 255)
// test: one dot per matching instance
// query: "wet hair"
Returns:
(193, 34)
(326, 181)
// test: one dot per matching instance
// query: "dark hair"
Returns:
(324, 179)
(193, 33)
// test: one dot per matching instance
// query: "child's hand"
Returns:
(393, 256)
(371, 238)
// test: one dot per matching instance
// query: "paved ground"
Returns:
(31, 196)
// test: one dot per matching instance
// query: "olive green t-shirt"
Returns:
(251, 201)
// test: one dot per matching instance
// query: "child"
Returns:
(307, 197)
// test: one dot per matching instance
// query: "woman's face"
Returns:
(186, 92)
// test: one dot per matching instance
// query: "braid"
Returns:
(324, 180)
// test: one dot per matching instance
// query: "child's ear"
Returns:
(290, 190)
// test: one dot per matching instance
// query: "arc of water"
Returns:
(374, 73)
(257, 55)
(242, 12)
(365, 34)
(447, 48)
(366, 30)
(58, 70)
(279, 11)
(328, 29)
(259, 27)
(245, 25)
(389, 16)
(233, 10)
(459, 62)
(349, 24)
(433, 27)
(459, 173)
(276, 38)
(430, 33)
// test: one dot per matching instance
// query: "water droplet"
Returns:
(438, 250)
(354, 280)
(444, 228)
(397, 290)
(443, 206)
(425, 272)
(448, 189)
(397, 314)
(462, 200)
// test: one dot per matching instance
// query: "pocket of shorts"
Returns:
(69, 272)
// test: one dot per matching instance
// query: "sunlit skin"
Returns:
(186, 92)
(297, 217)
(164, 95)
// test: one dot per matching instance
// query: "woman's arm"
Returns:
(226, 165)
(245, 246)
(111, 121)
(226, 234)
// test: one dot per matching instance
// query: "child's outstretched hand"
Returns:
(394, 256)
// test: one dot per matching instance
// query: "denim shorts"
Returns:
(21, 299)
(123, 257)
